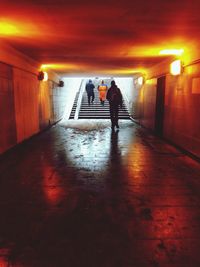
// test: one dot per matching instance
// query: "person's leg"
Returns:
(112, 118)
(103, 98)
(92, 97)
(116, 116)
(100, 97)
(88, 96)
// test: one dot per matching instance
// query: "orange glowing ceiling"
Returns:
(96, 37)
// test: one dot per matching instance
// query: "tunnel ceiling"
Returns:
(96, 37)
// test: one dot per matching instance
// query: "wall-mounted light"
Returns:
(140, 80)
(175, 67)
(43, 76)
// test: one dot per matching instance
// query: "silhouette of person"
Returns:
(102, 88)
(90, 91)
(114, 97)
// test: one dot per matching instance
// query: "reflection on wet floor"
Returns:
(82, 195)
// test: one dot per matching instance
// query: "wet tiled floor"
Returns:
(84, 196)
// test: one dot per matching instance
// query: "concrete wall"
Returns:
(147, 101)
(7, 110)
(181, 109)
(182, 106)
(27, 105)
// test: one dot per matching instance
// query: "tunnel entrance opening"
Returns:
(82, 109)
(160, 101)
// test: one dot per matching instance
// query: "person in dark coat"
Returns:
(114, 97)
(90, 91)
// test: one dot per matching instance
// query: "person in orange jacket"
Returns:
(102, 88)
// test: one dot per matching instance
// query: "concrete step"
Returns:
(101, 117)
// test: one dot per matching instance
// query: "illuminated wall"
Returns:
(27, 105)
(182, 102)
(26, 96)
(181, 109)
(8, 136)
(45, 108)
(147, 104)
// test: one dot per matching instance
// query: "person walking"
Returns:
(114, 97)
(102, 88)
(90, 91)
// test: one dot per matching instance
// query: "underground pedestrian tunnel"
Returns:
(72, 191)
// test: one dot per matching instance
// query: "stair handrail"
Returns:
(127, 102)
(81, 91)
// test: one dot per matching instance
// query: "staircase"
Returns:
(96, 110)
(72, 114)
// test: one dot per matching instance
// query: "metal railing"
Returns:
(81, 91)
